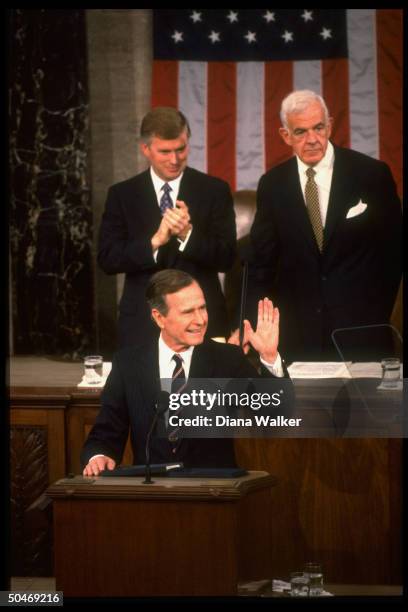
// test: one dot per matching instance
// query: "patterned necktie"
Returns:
(313, 208)
(166, 201)
(178, 382)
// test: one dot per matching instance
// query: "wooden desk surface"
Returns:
(218, 489)
(364, 590)
(44, 372)
(31, 376)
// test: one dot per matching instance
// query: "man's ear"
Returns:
(158, 317)
(285, 135)
(145, 150)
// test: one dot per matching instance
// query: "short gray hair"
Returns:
(298, 101)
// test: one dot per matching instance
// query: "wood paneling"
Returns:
(338, 501)
(29, 478)
(180, 538)
(37, 459)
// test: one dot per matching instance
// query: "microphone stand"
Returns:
(148, 471)
(161, 406)
(243, 304)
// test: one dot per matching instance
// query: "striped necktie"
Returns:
(178, 382)
(313, 207)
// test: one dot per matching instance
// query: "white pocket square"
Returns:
(356, 210)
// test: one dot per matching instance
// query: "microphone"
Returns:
(161, 406)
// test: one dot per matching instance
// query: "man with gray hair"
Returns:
(181, 352)
(326, 239)
(169, 216)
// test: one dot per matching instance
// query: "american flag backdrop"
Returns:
(229, 69)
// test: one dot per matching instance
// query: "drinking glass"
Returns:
(93, 366)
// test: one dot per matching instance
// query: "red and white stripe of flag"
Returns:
(233, 108)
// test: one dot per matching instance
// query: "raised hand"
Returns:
(265, 339)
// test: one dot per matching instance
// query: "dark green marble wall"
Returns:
(50, 202)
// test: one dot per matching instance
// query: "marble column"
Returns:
(50, 206)
(119, 68)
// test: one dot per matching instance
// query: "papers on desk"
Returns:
(366, 370)
(280, 586)
(319, 369)
(106, 368)
(264, 588)
(335, 369)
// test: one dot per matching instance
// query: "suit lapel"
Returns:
(202, 362)
(148, 372)
(186, 188)
(341, 193)
(149, 208)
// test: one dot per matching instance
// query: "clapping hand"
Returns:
(178, 220)
(175, 222)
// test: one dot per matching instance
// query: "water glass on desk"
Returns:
(299, 584)
(315, 575)
(93, 365)
(391, 370)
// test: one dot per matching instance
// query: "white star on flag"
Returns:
(325, 33)
(214, 36)
(287, 36)
(269, 16)
(195, 16)
(251, 37)
(307, 15)
(232, 16)
(177, 36)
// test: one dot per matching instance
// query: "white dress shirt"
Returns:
(323, 179)
(167, 363)
(175, 188)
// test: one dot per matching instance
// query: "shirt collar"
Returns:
(326, 163)
(159, 182)
(167, 353)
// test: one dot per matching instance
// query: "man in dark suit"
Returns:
(170, 216)
(326, 239)
(178, 308)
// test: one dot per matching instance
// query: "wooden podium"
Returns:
(179, 536)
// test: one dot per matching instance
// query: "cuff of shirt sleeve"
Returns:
(94, 456)
(275, 368)
(183, 243)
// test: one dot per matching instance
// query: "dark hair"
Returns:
(163, 283)
(164, 122)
